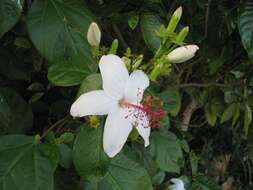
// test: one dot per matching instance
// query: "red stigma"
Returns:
(151, 107)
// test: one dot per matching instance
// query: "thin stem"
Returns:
(188, 85)
(61, 121)
(119, 35)
(207, 17)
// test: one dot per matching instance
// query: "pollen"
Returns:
(147, 114)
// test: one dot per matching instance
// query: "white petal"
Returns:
(93, 103)
(136, 84)
(182, 54)
(178, 184)
(114, 74)
(143, 127)
(117, 128)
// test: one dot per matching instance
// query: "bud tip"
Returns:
(178, 12)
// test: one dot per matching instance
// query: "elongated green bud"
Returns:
(182, 35)
(174, 20)
(114, 47)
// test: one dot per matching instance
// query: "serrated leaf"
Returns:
(24, 166)
(89, 157)
(247, 118)
(150, 25)
(245, 22)
(70, 72)
(125, 174)
(166, 149)
(58, 29)
(15, 114)
(9, 14)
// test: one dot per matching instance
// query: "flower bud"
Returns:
(178, 12)
(175, 19)
(94, 34)
(182, 54)
(114, 47)
(182, 34)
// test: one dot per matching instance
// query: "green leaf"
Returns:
(66, 137)
(228, 113)
(184, 145)
(70, 72)
(247, 118)
(66, 156)
(166, 149)
(91, 82)
(24, 166)
(158, 178)
(58, 28)
(194, 163)
(15, 114)
(236, 115)
(11, 66)
(140, 154)
(150, 25)
(125, 174)
(10, 11)
(210, 115)
(205, 183)
(133, 21)
(89, 157)
(22, 43)
(245, 22)
(51, 152)
(172, 100)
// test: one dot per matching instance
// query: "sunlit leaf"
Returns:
(58, 28)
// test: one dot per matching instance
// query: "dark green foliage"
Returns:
(46, 62)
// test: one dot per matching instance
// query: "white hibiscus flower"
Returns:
(120, 99)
